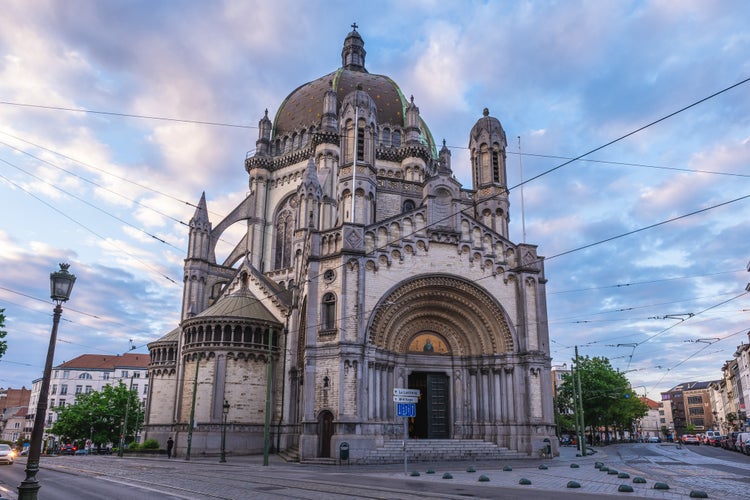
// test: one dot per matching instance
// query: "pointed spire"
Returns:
(310, 177)
(200, 216)
(329, 121)
(413, 131)
(445, 160)
(262, 145)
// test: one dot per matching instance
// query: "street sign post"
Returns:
(406, 406)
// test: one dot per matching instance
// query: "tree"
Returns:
(100, 415)
(3, 333)
(608, 400)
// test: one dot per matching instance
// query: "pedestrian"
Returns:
(170, 445)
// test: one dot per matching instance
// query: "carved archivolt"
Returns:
(466, 316)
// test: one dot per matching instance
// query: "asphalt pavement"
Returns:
(668, 472)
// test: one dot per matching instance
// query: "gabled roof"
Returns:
(106, 362)
(652, 405)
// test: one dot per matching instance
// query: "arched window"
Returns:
(328, 312)
(495, 166)
(86, 376)
(348, 141)
(284, 227)
(386, 137)
(396, 138)
(360, 144)
(408, 206)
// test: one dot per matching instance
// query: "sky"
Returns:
(115, 116)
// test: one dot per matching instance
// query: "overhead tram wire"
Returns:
(46, 301)
(645, 306)
(88, 203)
(88, 165)
(726, 89)
(80, 224)
(638, 344)
(648, 282)
(693, 316)
(629, 233)
(580, 157)
(618, 139)
(127, 115)
(641, 165)
(89, 181)
(707, 345)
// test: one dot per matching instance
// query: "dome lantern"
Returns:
(353, 53)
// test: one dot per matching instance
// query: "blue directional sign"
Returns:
(406, 409)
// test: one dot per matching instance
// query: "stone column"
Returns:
(473, 394)
(370, 391)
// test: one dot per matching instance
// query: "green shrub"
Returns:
(150, 444)
(134, 447)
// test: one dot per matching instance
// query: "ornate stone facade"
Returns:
(365, 267)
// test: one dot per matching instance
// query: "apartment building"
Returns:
(87, 373)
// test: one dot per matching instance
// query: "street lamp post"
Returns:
(61, 284)
(224, 413)
(124, 427)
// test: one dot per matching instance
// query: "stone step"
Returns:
(392, 451)
(320, 461)
(290, 454)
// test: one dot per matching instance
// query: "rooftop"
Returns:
(106, 362)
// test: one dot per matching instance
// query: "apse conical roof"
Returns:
(241, 304)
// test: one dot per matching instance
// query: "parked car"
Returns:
(728, 442)
(691, 439)
(7, 455)
(739, 443)
(81, 451)
(654, 439)
(715, 440)
(68, 449)
(708, 435)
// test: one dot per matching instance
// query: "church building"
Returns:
(364, 266)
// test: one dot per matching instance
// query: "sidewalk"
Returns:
(560, 471)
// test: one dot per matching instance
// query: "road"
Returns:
(720, 473)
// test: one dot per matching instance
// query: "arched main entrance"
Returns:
(448, 336)
(433, 409)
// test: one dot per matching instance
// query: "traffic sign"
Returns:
(398, 391)
(405, 399)
(406, 410)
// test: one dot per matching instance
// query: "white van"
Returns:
(740, 444)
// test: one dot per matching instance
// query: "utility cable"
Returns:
(89, 181)
(126, 115)
(620, 138)
(86, 202)
(88, 229)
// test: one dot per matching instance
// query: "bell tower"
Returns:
(487, 144)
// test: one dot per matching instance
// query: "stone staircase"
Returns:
(290, 454)
(429, 450)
